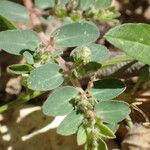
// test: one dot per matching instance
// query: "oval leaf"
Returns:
(76, 34)
(16, 41)
(70, 124)
(101, 4)
(13, 11)
(28, 57)
(105, 131)
(112, 111)
(98, 52)
(107, 89)
(102, 145)
(46, 77)
(86, 4)
(81, 136)
(113, 126)
(20, 68)
(133, 39)
(58, 104)
(44, 4)
(5, 24)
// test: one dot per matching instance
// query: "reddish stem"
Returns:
(36, 22)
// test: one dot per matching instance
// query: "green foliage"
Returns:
(98, 52)
(81, 135)
(46, 77)
(29, 57)
(86, 4)
(5, 24)
(17, 41)
(89, 107)
(13, 11)
(76, 34)
(100, 4)
(134, 39)
(58, 104)
(113, 126)
(70, 124)
(107, 89)
(102, 145)
(105, 131)
(44, 4)
(89, 53)
(112, 111)
(20, 68)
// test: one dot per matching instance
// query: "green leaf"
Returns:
(102, 145)
(58, 104)
(107, 89)
(5, 24)
(29, 57)
(70, 124)
(113, 126)
(89, 68)
(16, 41)
(20, 68)
(105, 131)
(64, 2)
(13, 11)
(46, 77)
(86, 4)
(101, 4)
(98, 52)
(44, 4)
(76, 34)
(112, 111)
(81, 136)
(133, 39)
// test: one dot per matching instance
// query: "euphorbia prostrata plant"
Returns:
(92, 111)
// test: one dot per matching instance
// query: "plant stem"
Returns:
(20, 100)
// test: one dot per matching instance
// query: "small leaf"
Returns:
(58, 104)
(86, 4)
(107, 89)
(5, 24)
(88, 68)
(113, 126)
(46, 77)
(133, 39)
(70, 124)
(99, 52)
(16, 41)
(29, 57)
(76, 34)
(112, 111)
(64, 2)
(13, 11)
(44, 4)
(20, 68)
(81, 136)
(102, 145)
(105, 131)
(101, 4)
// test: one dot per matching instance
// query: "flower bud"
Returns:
(81, 55)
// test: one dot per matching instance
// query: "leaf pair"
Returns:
(58, 104)
(75, 34)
